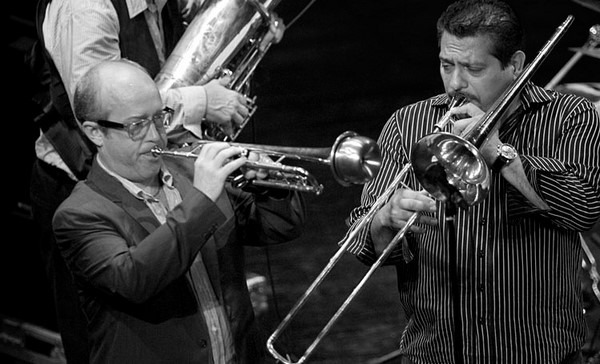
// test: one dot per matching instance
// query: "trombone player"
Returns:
(510, 294)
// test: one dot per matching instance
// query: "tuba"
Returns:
(222, 40)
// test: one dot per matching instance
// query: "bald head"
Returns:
(109, 85)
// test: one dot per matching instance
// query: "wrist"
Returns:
(506, 154)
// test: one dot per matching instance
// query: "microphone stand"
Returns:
(449, 221)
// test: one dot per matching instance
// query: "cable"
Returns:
(300, 14)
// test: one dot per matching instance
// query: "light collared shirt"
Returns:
(221, 338)
(79, 34)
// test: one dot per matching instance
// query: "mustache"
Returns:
(465, 98)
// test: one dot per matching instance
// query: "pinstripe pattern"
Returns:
(519, 287)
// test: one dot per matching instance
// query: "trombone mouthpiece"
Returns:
(455, 100)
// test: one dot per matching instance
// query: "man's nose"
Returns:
(457, 80)
(153, 133)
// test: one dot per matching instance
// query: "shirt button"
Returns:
(481, 320)
(202, 343)
(483, 221)
(481, 254)
(480, 287)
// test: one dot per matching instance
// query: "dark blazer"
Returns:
(131, 271)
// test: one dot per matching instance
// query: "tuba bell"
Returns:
(222, 39)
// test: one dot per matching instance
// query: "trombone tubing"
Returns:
(332, 262)
(368, 217)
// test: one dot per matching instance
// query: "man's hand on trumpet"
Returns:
(252, 173)
(394, 215)
(214, 164)
(217, 161)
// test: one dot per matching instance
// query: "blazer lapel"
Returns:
(208, 252)
(108, 186)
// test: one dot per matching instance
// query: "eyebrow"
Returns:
(464, 64)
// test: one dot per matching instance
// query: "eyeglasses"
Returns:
(138, 129)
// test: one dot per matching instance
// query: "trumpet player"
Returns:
(512, 293)
(157, 259)
(74, 36)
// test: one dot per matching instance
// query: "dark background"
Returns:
(343, 65)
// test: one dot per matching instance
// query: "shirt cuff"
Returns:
(189, 104)
(520, 206)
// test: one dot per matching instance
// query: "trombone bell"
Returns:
(451, 169)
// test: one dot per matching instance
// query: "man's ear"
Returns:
(517, 63)
(93, 132)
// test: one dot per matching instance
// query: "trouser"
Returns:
(49, 186)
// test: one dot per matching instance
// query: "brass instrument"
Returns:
(591, 43)
(222, 39)
(353, 159)
(449, 167)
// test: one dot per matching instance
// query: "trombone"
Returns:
(449, 167)
(353, 159)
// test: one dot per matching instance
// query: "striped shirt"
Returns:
(518, 288)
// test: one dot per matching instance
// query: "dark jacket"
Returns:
(131, 271)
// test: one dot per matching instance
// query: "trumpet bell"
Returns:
(354, 159)
(451, 169)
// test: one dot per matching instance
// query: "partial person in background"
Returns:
(589, 90)
(513, 293)
(74, 36)
(158, 260)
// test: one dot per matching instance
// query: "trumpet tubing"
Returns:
(353, 159)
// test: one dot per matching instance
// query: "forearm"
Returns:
(567, 174)
(572, 195)
(190, 105)
(277, 220)
(80, 35)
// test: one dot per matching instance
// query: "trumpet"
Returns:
(353, 159)
(449, 167)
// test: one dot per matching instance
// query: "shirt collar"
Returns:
(164, 175)
(135, 7)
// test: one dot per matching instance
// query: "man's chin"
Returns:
(151, 161)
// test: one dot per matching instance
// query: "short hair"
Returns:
(87, 100)
(494, 18)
